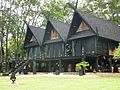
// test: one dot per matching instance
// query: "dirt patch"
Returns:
(108, 74)
(89, 75)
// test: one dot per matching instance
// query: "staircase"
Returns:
(17, 69)
(16, 66)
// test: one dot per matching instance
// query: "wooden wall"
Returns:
(105, 45)
(54, 50)
(92, 45)
(84, 45)
(35, 52)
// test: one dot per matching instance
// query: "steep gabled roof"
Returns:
(37, 32)
(103, 28)
(61, 28)
(86, 33)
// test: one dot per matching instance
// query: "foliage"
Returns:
(83, 64)
(107, 9)
(34, 12)
(55, 9)
(117, 53)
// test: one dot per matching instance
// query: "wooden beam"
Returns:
(60, 66)
(34, 62)
(49, 66)
(71, 6)
(63, 50)
(96, 41)
(110, 63)
(28, 50)
(96, 64)
(34, 67)
(73, 49)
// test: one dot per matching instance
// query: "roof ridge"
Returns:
(109, 21)
(59, 21)
(106, 28)
(61, 27)
(37, 33)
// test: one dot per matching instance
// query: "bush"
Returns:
(83, 64)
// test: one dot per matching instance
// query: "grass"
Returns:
(48, 82)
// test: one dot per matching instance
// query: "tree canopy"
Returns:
(34, 12)
(117, 53)
(107, 9)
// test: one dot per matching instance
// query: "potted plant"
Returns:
(81, 67)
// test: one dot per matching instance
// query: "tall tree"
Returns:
(15, 12)
(117, 53)
(55, 9)
(107, 9)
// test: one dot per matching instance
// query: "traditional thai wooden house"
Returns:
(32, 44)
(97, 37)
(60, 46)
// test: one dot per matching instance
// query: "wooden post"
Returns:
(34, 62)
(28, 50)
(110, 63)
(73, 50)
(54, 50)
(63, 50)
(96, 41)
(96, 64)
(60, 66)
(34, 67)
(49, 66)
(110, 60)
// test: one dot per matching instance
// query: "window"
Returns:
(54, 35)
(82, 27)
(111, 51)
(33, 39)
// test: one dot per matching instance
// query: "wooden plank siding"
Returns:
(35, 52)
(91, 47)
(54, 50)
(57, 49)
(87, 43)
(104, 45)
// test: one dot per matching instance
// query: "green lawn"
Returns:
(39, 82)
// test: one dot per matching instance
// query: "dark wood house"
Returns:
(33, 44)
(97, 37)
(60, 46)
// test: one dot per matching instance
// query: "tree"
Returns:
(55, 9)
(15, 12)
(117, 53)
(107, 9)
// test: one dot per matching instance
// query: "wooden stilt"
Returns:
(96, 65)
(34, 67)
(60, 66)
(49, 66)
(110, 64)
